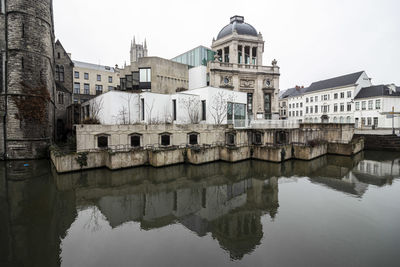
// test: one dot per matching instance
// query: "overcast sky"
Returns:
(311, 39)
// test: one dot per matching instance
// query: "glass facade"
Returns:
(196, 57)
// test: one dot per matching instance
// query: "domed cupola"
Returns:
(237, 24)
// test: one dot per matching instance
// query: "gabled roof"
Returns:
(349, 79)
(376, 90)
(86, 65)
(292, 92)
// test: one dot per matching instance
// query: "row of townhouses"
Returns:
(350, 98)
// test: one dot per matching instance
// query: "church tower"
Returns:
(27, 86)
(138, 50)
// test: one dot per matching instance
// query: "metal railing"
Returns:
(274, 124)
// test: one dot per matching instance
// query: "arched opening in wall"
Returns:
(334, 120)
(135, 140)
(230, 139)
(341, 119)
(165, 139)
(348, 119)
(257, 138)
(193, 138)
(281, 137)
(102, 141)
(324, 119)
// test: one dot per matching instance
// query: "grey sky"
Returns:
(311, 39)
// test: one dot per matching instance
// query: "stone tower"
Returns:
(138, 50)
(27, 85)
(238, 66)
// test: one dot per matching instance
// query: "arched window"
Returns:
(341, 119)
(348, 119)
(334, 120)
(61, 74)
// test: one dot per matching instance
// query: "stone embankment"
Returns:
(198, 154)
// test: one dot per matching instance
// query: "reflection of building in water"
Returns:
(34, 216)
(231, 211)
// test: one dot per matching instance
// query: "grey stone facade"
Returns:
(238, 66)
(64, 85)
(27, 49)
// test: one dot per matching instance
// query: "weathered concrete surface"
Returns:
(68, 163)
(274, 154)
(234, 154)
(309, 152)
(127, 159)
(352, 148)
(165, 157)
(202, 155)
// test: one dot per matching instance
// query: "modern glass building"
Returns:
(196, 57)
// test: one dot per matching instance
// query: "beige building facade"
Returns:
(90, 80)
(238, 65)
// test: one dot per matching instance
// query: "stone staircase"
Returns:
(381, 142)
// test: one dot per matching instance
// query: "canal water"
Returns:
(332, 211)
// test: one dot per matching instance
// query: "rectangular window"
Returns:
(76, 74)
(306, 110)
(110, 79)
(98, 77)
(342, 106)
(142, 108)
(348, 106)
(335, 107)
(99, 89)
(378, 104)
(250, 103)
(297, 105)
(174, 109)
(267, 106)
(301, 113)
(316, 109)
(370, 104)
(86, 89)
(335, 96)
(297, 113)
(363, 105)
(311, 110)
(316, 98)
(301, 104)
(306, 99)
(362, 121)
(348, 94)
(145, 75)
(77, 88)
(357, 105)
(203, 110)
(311, 99)
(376, 121)
(369, 119)
(342, 95)
(86, 76)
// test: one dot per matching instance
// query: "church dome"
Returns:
(238, 24)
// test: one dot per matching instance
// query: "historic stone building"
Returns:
(138, 50)
(64, 80)
(27, 88)
(238, 65)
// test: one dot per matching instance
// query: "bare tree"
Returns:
(122, 117)
(191, 105)
(219, 106)
(94, 108)
(128, 99)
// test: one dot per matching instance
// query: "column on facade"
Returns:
(243, 55)
(251, 54)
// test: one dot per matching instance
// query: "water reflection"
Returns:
(226, 201)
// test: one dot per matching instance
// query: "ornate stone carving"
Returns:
(274, 62)
(247, 83)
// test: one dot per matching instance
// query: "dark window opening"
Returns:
(267, 106)
(58, 55)
(165, 140)
(142, 105)
(193, 139)
(22, 63)
(175, 208)
(174, 109)
(23, 30)
(135, 141)
(203, 110)
(250, 103)
(226, 54)
(281, 138)
(258, 138)
(102, 141)
(230, 139)
(61, 73)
